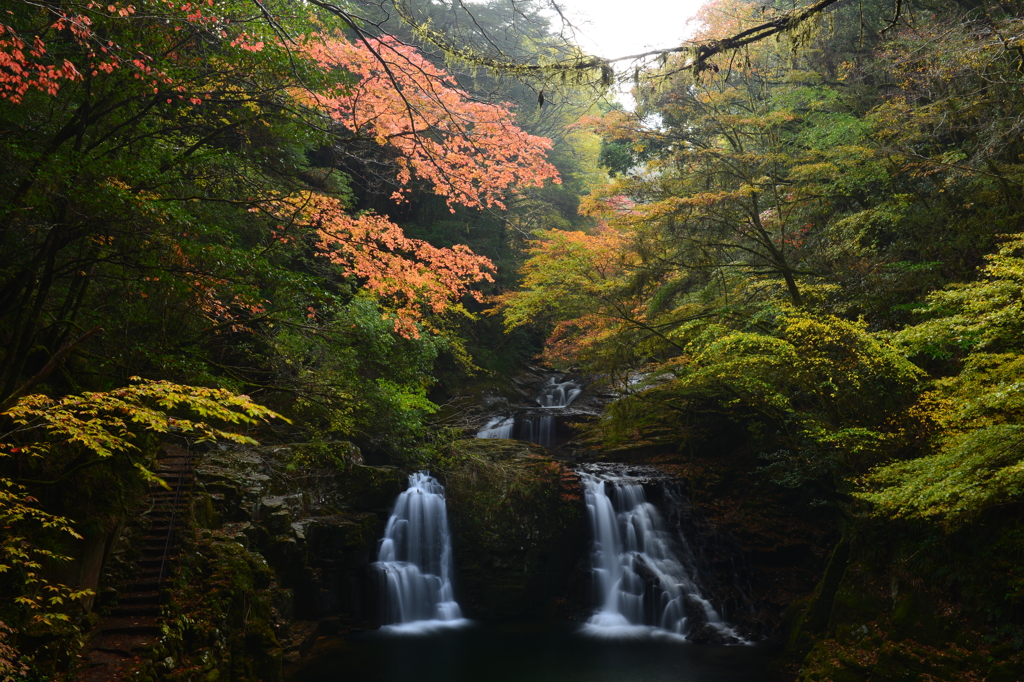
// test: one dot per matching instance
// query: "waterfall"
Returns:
(415, 560)
(556, 393)
(642, 585)
(499, 427)
(532, 426)
(539, 430)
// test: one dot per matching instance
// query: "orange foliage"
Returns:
(572, 340)
(417, 276)
(573, 278)
(26, 65)
(23, 67)
(469, 151)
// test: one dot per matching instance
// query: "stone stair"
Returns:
(119, 639)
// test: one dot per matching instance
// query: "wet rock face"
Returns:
(517, 518)
(518, 522)
(314, 515)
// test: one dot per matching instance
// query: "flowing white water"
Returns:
(556, 393)
(539, 430)
(499, 427)
(535, 428)
(642, 585)
(415, 561)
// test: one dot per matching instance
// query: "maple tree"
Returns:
(571, 282)
(470, 152)
(139, 86)
(417, 277)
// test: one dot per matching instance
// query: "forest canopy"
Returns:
(228, 220)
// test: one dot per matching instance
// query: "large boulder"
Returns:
(518, 520)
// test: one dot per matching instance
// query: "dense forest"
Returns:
(231, 223)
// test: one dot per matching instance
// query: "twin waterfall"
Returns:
(415, 560)
(641, 584)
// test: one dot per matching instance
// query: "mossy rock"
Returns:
(808, 618)
(914, 615)
(518, 520)
(338, 453)
(327, 535)
(265, 654)
(895, 665)
(830, 661)
(857, 601)
(371, 488)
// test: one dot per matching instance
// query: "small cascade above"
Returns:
(558, 393)
(538, 421)
(499, 427)
(643, 584)
(415, 561)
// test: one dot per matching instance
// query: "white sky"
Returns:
(617, 28)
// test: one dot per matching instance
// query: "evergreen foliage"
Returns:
(815, 242)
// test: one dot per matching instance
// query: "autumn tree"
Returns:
(176, 209)
(185, 180)
(741, 217)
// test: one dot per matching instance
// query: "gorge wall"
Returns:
(275, 560)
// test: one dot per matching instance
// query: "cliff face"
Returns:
(520, 533)
(275, 556)
(315, 528)
(277, 552)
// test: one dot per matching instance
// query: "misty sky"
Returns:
(616, 28)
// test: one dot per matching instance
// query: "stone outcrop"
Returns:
(276, 557)
(520, 536)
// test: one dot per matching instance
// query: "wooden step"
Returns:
(135, 611)
(147, 597)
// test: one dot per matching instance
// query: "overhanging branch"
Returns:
(701, 51)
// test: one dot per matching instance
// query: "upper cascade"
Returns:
(558, 393)
(415, 558)
(642, 583)
(533, 425)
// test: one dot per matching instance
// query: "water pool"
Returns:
(530, 652)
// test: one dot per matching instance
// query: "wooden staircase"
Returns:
(117, 642)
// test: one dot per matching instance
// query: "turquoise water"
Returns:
(532, 652)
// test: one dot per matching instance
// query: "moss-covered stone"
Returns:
(810, 616)
(337, 454)
(858, 600)
(882, 631)
(518, 521)
(220, 623)
(274, 537)
(371, 487)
